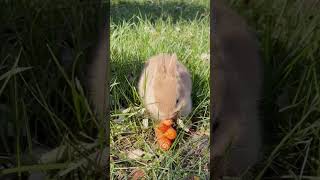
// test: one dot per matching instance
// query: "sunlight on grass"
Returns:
(147, 29)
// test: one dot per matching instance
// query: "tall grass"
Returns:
(289, 37)
(46, 124)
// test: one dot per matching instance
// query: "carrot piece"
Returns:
(164, 143)
(167, 122)
(158, 133)
(170, 133)
(162, 127)
(165, 134)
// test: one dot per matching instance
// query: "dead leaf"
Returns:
(196, 178)
(138, 174)
(120, 119)
(205, 56)
(135, 154)
(182, 126)
(145, 123)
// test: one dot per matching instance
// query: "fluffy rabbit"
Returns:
(165, 87)
(237, 73)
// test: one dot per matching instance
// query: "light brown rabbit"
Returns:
(237, 79)
(165, 87)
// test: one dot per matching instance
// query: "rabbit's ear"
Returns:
(172, 67)
(162, 67)
(174, 56)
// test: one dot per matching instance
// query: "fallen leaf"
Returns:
(205, 56)
(145, 123)
(181, 125)
(120, 119)
(138, 174)
(135, 154)
(196, 178)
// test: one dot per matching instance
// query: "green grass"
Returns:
(140, 30)
(289, 37)
(42, 107)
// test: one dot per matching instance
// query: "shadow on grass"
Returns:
(133, 11)
(127, 74)
(37, 105)
(287, 88)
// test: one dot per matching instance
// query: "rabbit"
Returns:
(237, 79)
(165, 87)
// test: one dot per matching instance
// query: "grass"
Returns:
(289, 37)
(140, 30)
(46, 124)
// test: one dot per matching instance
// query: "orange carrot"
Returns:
(167, 122)
(162, 127)
(164, 143)
(165, 134)
(159, 133)
(170, 133)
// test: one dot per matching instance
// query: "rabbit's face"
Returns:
(165, 97)
(168, 93)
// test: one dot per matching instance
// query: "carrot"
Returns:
(165, 134)
(164, 143)
(162, 127)
(159, 133)
(167, 122)
(170, 133)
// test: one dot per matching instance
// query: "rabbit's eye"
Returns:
(177, 101)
